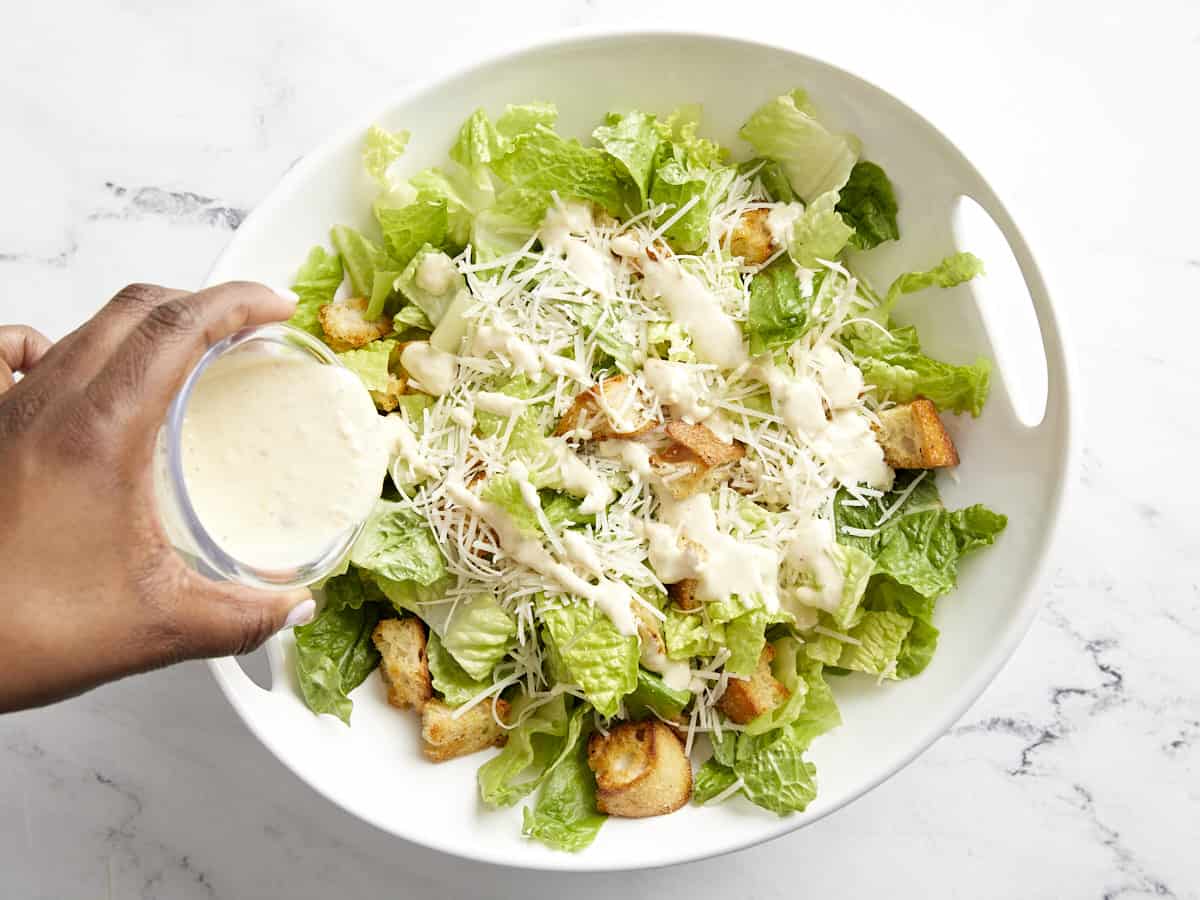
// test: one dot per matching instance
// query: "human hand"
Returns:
(90, 587)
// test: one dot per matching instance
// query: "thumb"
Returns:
(226, 619)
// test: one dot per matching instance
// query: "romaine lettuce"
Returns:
(597, 657)
(479, 634)
(868, 204)
(315, 284)
(397, 545)
(370, 363)
(449, 678)
(564, 816)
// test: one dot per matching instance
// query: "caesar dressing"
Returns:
(716, 336)
(281, 456)
(436, 273)
(679, 386)
(434, 370)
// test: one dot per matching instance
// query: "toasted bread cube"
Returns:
(748, 698)
(610, 409)
(913, 437)
(387, 401)
(704, 443)
(405, 669)
(641, 770)
(751, 238)
(683, 593)
(444, 737)
(347, 328)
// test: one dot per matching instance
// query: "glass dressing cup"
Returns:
(176, 511)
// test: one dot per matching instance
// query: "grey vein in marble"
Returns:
(175, 206)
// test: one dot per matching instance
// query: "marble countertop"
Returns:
(136, 136)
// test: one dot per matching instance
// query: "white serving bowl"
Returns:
(374, 769)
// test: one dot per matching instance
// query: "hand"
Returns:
(90, 588)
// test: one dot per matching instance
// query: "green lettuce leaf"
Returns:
(631, 140)
(880, 636)
(334, 652)
(434, 305)
(463, 197)
(856, 567)
(678, 178)
(779, 313)
(819, 234)
(774, 772)
(543, 161)
(771, 176)
(652, 696)
(315, 284)
(411, 318)
(361, 257)
(597, 657)
(398, 545)
(815, 160)
(886, 595)
(449, 678)
(564, 816)
(478, 145)
(479, 634)
(545, 737)
(745, 637)
(407, 229)
(868, 204)
(710, 780)
(381, 148)
(412, 596)
(687, 635)
(505, 227)
(951, 271)
(370, 363)
(893, 362)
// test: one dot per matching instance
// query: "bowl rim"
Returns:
(979, 679)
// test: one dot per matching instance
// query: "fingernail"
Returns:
(289, 295)
(302, 613)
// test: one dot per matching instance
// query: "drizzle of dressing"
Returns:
(436, 273)
(587, 265)
(404, 450)
(580, 551)
(679, 386)
(504, 342)
(613, 598)
(810, 550)
(499, 404)
(577, 477)
(434, 370)
(687, 544)
(633, 455)
(716, 337)
(781, 220)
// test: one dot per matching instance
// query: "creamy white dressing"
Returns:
(679, 386)
(579, 550)
(563, 220)
(613, 598)
(852, 451)
(841, 380)
(561, 366)
(633, 455)
(810, 551)
(504, 342)
(436, 273)
(676, 675)
(797, 401)
(281, 455)
(688, 544)
(578, 478)
(589, 266)
(715, 336)
(434, 370)
(781, 220)
(404, 450)
(625, 245)
(499, 404)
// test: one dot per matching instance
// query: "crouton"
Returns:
(641, 770)
(913, 437)
(610, 409)
(695, 461)
(748, 698)
(751, 239)
(683, 593)
(405, 669)
(444, 737)
(387, 401)
(345, 326)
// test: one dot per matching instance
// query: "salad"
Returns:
(663, 465)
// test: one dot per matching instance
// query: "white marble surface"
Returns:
(137, 133)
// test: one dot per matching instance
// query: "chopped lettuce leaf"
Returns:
(509, 224)
(879, 636)
(416, 288)
(543, 161)
(886, 595)
(951, 271)
(397, 545)
(868, 204)
(893, 362)
(745, 637)
(463, 197)
(564, 816)
(411, 596)
(597, 657)
(408, 228)
(856, 566)
(819, 234)
(361, 257)
(449, 678)
(678, 179)
(479, 634)
(315, 284)
(370, 363)
(688, 635)
(652, 696)
(815, 160)
(779, 313)
(711, 780)
(544, 738)
(411, 318)
(381, 148)
(334, 652)
(771, 176)
(631, 140)
(774, 772)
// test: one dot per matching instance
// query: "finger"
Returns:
(21, 349)
(225, 619)
(86, 349)
(157, 355)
